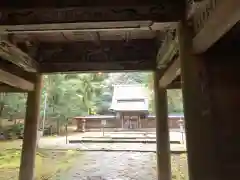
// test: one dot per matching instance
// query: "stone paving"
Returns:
(140, 164)
(174, 135)
(112, 166)
(121, 166)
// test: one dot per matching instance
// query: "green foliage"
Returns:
(14, 131)
(69, 95)
(12, 105)
(175, 101)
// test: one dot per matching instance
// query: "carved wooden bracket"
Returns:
(202, 13)
(212, 20)
(168, 49)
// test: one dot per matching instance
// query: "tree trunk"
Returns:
(58, 127)
(1, 111)
(89, 111)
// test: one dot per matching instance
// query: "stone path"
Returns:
(121, 166)
(112, 166)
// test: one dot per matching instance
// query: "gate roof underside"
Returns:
(62, 36)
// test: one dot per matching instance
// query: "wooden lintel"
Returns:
(16, 56)
(15, 81)
(222, 15)
(114, 51)
(146, 65)
(171, 73)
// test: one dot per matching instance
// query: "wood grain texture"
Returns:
(219, 21)
(172, 72)
(15, 81)
(14, 55)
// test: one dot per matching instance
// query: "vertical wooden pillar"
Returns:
(197, 110)
(30, 132)
(162, 131)
(225, 98)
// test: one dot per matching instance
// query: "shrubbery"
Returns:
(14, 131)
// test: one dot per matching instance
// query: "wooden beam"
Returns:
(212, 20)
(109, 55)
(144, 65)
(76, 3)
(82, 27)
(15, 81)
(17, 71)
(14, 55)
(172, 72)
(157, 11)
(9, 89)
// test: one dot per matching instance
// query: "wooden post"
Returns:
(30, 132)
(197, 110)
(162, 131)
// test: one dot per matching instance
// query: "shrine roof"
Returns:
(130, 98)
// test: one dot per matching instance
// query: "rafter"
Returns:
(14, 55)
(212, 20)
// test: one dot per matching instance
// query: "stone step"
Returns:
(146, 141)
